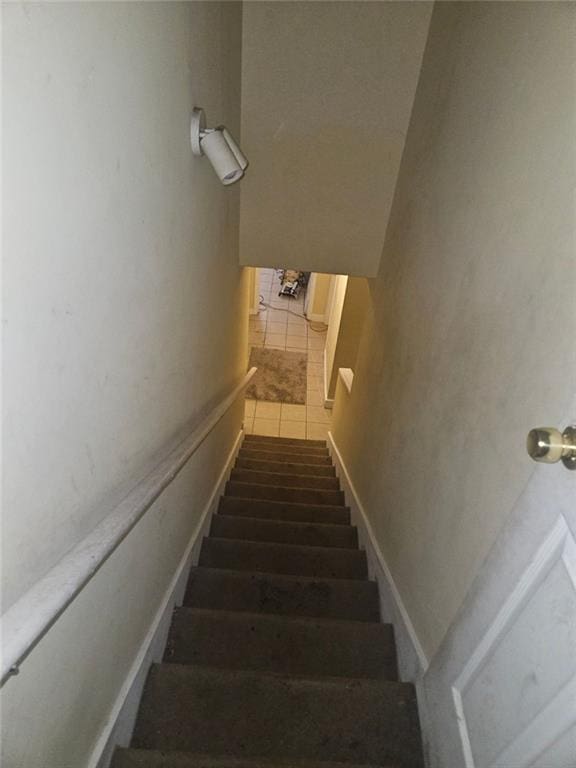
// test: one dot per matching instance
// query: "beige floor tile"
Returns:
(316, 431)
(315, 370)
(293, 429)
(316, 356)
(266, 410)
(296, 329)
(301, 321)
(270, 427)
(317, 413)
(292, 412)
(296, 342)
(277, 316)
(256, 338)
(249, 408)
(275, 340)
(273, 327)
(314, 397)
(315, 341)
(298, 333)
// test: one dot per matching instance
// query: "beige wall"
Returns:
(253, 278)
(319, 306)
(353, 314)
(338, 287)
(327, 90)
(469, 338)
(123, 310)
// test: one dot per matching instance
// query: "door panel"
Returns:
(501, 693)
(535, 621)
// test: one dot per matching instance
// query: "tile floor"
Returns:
(282, 326)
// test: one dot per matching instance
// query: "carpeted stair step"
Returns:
(284, 441)
(269, 593)
(278, 467)
(151, 758)
(302, 448)
(259, 454)
(287, 448)
(250, 714)
(283, 479)
(288, 559)
(282, 532)
(281, 493)
(278, 510)
(281, 644)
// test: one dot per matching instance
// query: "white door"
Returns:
(502, 691)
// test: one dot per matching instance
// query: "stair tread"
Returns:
(273, 618)
(311, 682)
(283, 458)
(272, 557)
(271, 509)
(282, 644)
(280, 487)
(282, 595)
(287, 531)
(290, 523)
(284, 479)
(288, 443)
(282, 493)
(288, 452)
(270, 715)
(281, 467)
(149, 758)
(272, 440)
(285, 576)
(284, 547)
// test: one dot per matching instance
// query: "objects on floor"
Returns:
(291, 281)
(281, 376)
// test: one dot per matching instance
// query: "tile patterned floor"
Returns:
(282, 326)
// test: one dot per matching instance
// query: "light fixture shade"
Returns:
(238, 154)
(224, 160)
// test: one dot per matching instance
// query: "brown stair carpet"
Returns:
(277, 658)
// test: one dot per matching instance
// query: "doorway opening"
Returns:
(284, 320)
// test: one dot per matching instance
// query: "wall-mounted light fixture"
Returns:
(219, 147)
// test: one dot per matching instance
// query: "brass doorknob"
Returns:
(549, 445)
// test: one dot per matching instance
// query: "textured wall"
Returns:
(319, 305)
(327, 90)
(469, 339)
(122, 322)
(350, 331)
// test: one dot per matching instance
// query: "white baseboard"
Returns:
(412, 661)
(120, 724)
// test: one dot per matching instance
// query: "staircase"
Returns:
(277, 657)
